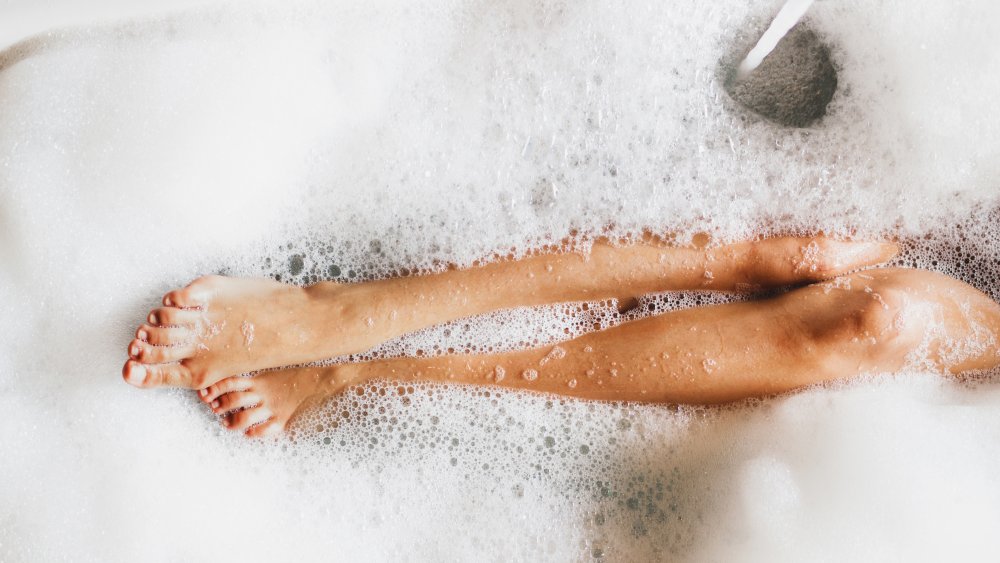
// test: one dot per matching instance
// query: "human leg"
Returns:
(873, 321)
(217, 327)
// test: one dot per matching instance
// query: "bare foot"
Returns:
(217, 327)
(264, 404)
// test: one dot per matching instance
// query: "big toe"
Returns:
(134, 373)
(270, 428)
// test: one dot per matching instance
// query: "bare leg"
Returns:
(875, 321)
(217, 327)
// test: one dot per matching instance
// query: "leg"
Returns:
(876, 321)
(217, 327)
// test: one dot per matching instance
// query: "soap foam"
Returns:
(359, 141)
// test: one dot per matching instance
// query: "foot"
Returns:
(265, 404)
(217, 326)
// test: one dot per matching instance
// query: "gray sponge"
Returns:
(793, 84)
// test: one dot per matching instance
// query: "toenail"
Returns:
(152, 318)
(143, 335)
(215, 404)
(203, 392)
(137, 374)
(168, 302)
(135, 351)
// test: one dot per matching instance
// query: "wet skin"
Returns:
(209, 333)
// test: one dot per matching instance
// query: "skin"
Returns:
(217, 327)
(868, 322)
(874, 321)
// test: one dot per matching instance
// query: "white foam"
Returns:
(363, 140)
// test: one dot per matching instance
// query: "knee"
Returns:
(882, 319)
(882, 313)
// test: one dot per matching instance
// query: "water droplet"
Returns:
(556, 353)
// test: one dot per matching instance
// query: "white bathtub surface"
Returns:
(306, 139)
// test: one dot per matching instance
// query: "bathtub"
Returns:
(142, 145)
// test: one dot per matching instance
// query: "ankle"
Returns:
(337, 313)
(324, 290)
(339, 377)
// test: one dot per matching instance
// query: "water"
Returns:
(357, 141)
(789, 15)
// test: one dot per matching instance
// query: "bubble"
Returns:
(556, 353)
(296, 264)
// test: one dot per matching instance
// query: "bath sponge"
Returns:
(793, 84)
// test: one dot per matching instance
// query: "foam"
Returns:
(361, 141)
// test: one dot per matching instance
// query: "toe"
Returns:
(172, 316)
(841, 257)
(164, 336)
(791, 260)
(158, 375)
(228, 385)
(150, 354)
(236, 400)
(134, 373)
(187, 298)
(242, 420)
(270, 428)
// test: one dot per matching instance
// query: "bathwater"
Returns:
(357, 140)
